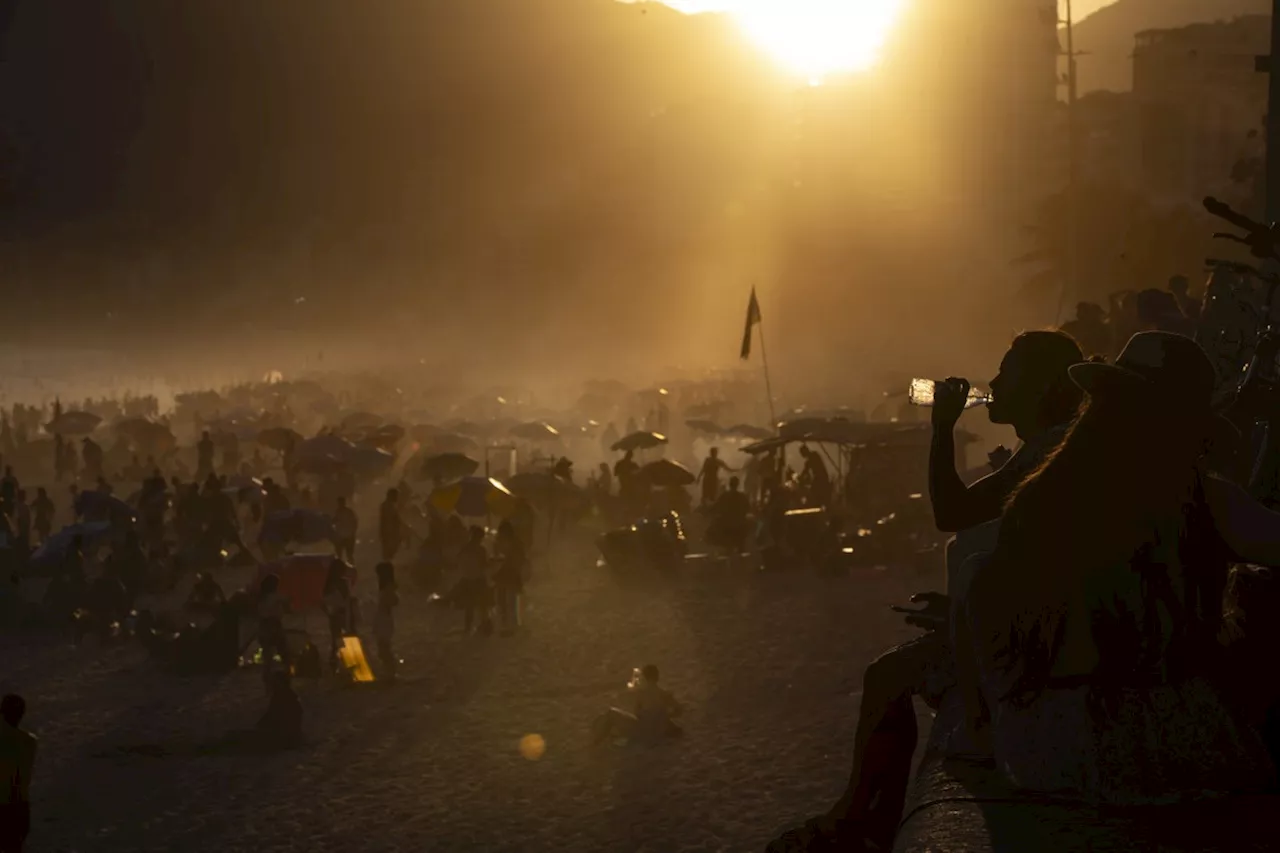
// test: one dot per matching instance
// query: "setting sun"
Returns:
(812, 38)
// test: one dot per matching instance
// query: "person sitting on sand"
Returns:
(652, 718)
(206, 595)
(272, 607)
(107, 606)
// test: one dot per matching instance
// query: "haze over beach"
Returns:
(675, 159)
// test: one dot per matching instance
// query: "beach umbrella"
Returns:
(706, 410)
(424, 433)
(279, 439)
(303, 526)
(709, 427)
(233, 432)
(205, 400)
(765, 446)
(610, 387)
(535, 431)
(452, 443)
(103, 507)
(326, 406)
(153, 436)
(664, 473)
(640, 441)
(73, 423)
(754, 433)
(53, 551)
(475, 496)
(539, 485)
(322, 466)
(447, 466)
(323, 445)
(361, 420)
(386, 436)
(467, 428)
(368, 461)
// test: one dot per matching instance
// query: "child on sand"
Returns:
(652, 720)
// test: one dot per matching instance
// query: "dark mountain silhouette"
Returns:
(1107, 35)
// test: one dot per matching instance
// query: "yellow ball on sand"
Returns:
(532, 747)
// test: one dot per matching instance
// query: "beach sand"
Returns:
(769, 668)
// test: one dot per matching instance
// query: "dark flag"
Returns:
(753, 319)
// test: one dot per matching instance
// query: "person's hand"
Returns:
(999, 457)
(933, 616)
(949, 398)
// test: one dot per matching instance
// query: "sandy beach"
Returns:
(768, 665)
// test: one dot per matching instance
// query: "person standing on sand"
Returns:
(42, 511)
(509, 579)
(384, 623)
(709, 476)
(204, 456)
(345, 525)
(473, 590)
(17, 760)
(390, 525)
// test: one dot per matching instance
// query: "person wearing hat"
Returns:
(1034, 395)
(1089, 328)
(1089, 639)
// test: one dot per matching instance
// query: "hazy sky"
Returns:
(818, 37)
(1080, 8)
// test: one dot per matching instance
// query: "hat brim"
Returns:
(1097, 377)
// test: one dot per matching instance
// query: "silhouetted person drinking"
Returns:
(1091, 645)
(1032, 393)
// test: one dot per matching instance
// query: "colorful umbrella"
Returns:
(451, 443)
(279, 439)
(663, 473)
(361, 420)
(709, 427)
(447, 466)
(640, 441)
(73, 423)
(475, 496)
(754, 433)
(536, 431)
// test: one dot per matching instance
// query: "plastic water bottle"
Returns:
(922, 391)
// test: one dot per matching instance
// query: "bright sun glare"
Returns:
(813, 38)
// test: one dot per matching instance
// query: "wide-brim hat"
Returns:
(1165, 368)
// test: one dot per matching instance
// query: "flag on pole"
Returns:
(753, 319)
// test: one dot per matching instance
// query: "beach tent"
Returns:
(302, 578)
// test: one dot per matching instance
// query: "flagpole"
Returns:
(764, 358)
